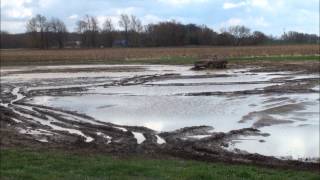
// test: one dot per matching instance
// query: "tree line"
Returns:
(45, 33)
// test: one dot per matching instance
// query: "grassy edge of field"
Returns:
(27, 164)
(168, 60)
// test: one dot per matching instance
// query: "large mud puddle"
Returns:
(284, 106)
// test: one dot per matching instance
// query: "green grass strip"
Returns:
(31, 165)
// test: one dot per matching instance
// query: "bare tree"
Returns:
(32, 29)
(58, 30)
(108, 33)
(125, 23)
(94, 31)
(42, 22)
(89, 30)
(240, 33)
(32, 25)
(81, 29)
(38, 25)
(258, 37)
(135, 24)
(81, 26)
(108, 26)
(135, 32)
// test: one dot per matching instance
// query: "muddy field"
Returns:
(262, 114)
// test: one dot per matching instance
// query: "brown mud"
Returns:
(38, 127)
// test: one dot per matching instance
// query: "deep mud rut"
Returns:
(40, 126)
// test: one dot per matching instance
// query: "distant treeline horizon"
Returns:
(46, 33)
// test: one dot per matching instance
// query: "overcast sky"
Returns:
(268, 16)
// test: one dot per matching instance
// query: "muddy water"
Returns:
(296, 140)
(292, 120)
(161, 113)
(165, 113)
(287, 140)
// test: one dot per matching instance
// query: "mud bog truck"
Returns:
(212, 63)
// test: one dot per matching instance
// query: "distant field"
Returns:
(18, 164)
(184, 55)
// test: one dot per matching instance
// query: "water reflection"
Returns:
(285, 140)
(158, 108)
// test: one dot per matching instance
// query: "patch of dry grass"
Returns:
(152, 53)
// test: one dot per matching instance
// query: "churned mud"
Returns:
(165, 110)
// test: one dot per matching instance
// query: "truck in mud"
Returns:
(210, 63)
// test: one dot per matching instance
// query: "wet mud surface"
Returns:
(160, 111)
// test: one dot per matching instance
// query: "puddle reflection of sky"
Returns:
(157, 108)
